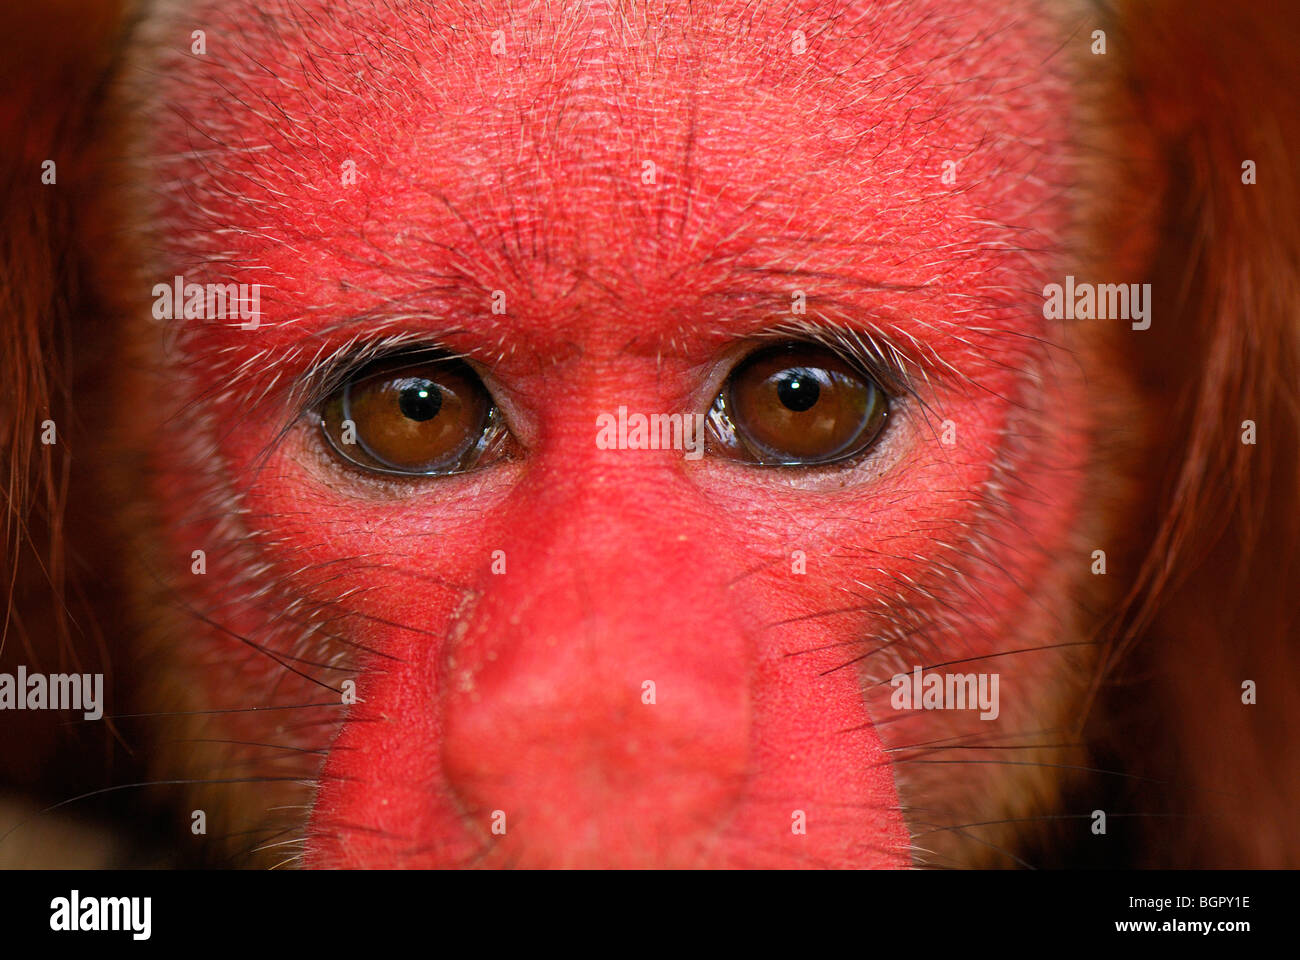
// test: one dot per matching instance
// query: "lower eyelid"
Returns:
(490, 443)
(880, 459)
(312, 452)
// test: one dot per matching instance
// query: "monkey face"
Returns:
(624, 410)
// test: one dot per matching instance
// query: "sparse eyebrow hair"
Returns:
(899, 357)
(298, 376)
(330, 369)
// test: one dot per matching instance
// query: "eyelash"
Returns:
(879, 359)
(329, 375)
(883, 362)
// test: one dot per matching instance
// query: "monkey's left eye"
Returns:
(797, 405)
(422, 417)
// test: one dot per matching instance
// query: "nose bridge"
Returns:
(614, 568)
(603, 670)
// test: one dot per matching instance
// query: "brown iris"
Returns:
(798, 404)
(426, 416)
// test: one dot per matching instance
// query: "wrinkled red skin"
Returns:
(522, 692)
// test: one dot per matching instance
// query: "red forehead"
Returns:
(628, 178)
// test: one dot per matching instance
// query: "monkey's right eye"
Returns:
(413, 417)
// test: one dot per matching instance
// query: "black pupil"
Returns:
(798, 390)
(420, 400)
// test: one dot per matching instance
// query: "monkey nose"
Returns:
(600, 721)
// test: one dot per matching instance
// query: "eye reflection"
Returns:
(413, 417)
(797, 405)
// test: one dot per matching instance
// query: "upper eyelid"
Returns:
(905, 380)
(875, 354)
(330, 373)
(897, 374)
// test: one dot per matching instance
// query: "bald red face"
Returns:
(569, 655)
